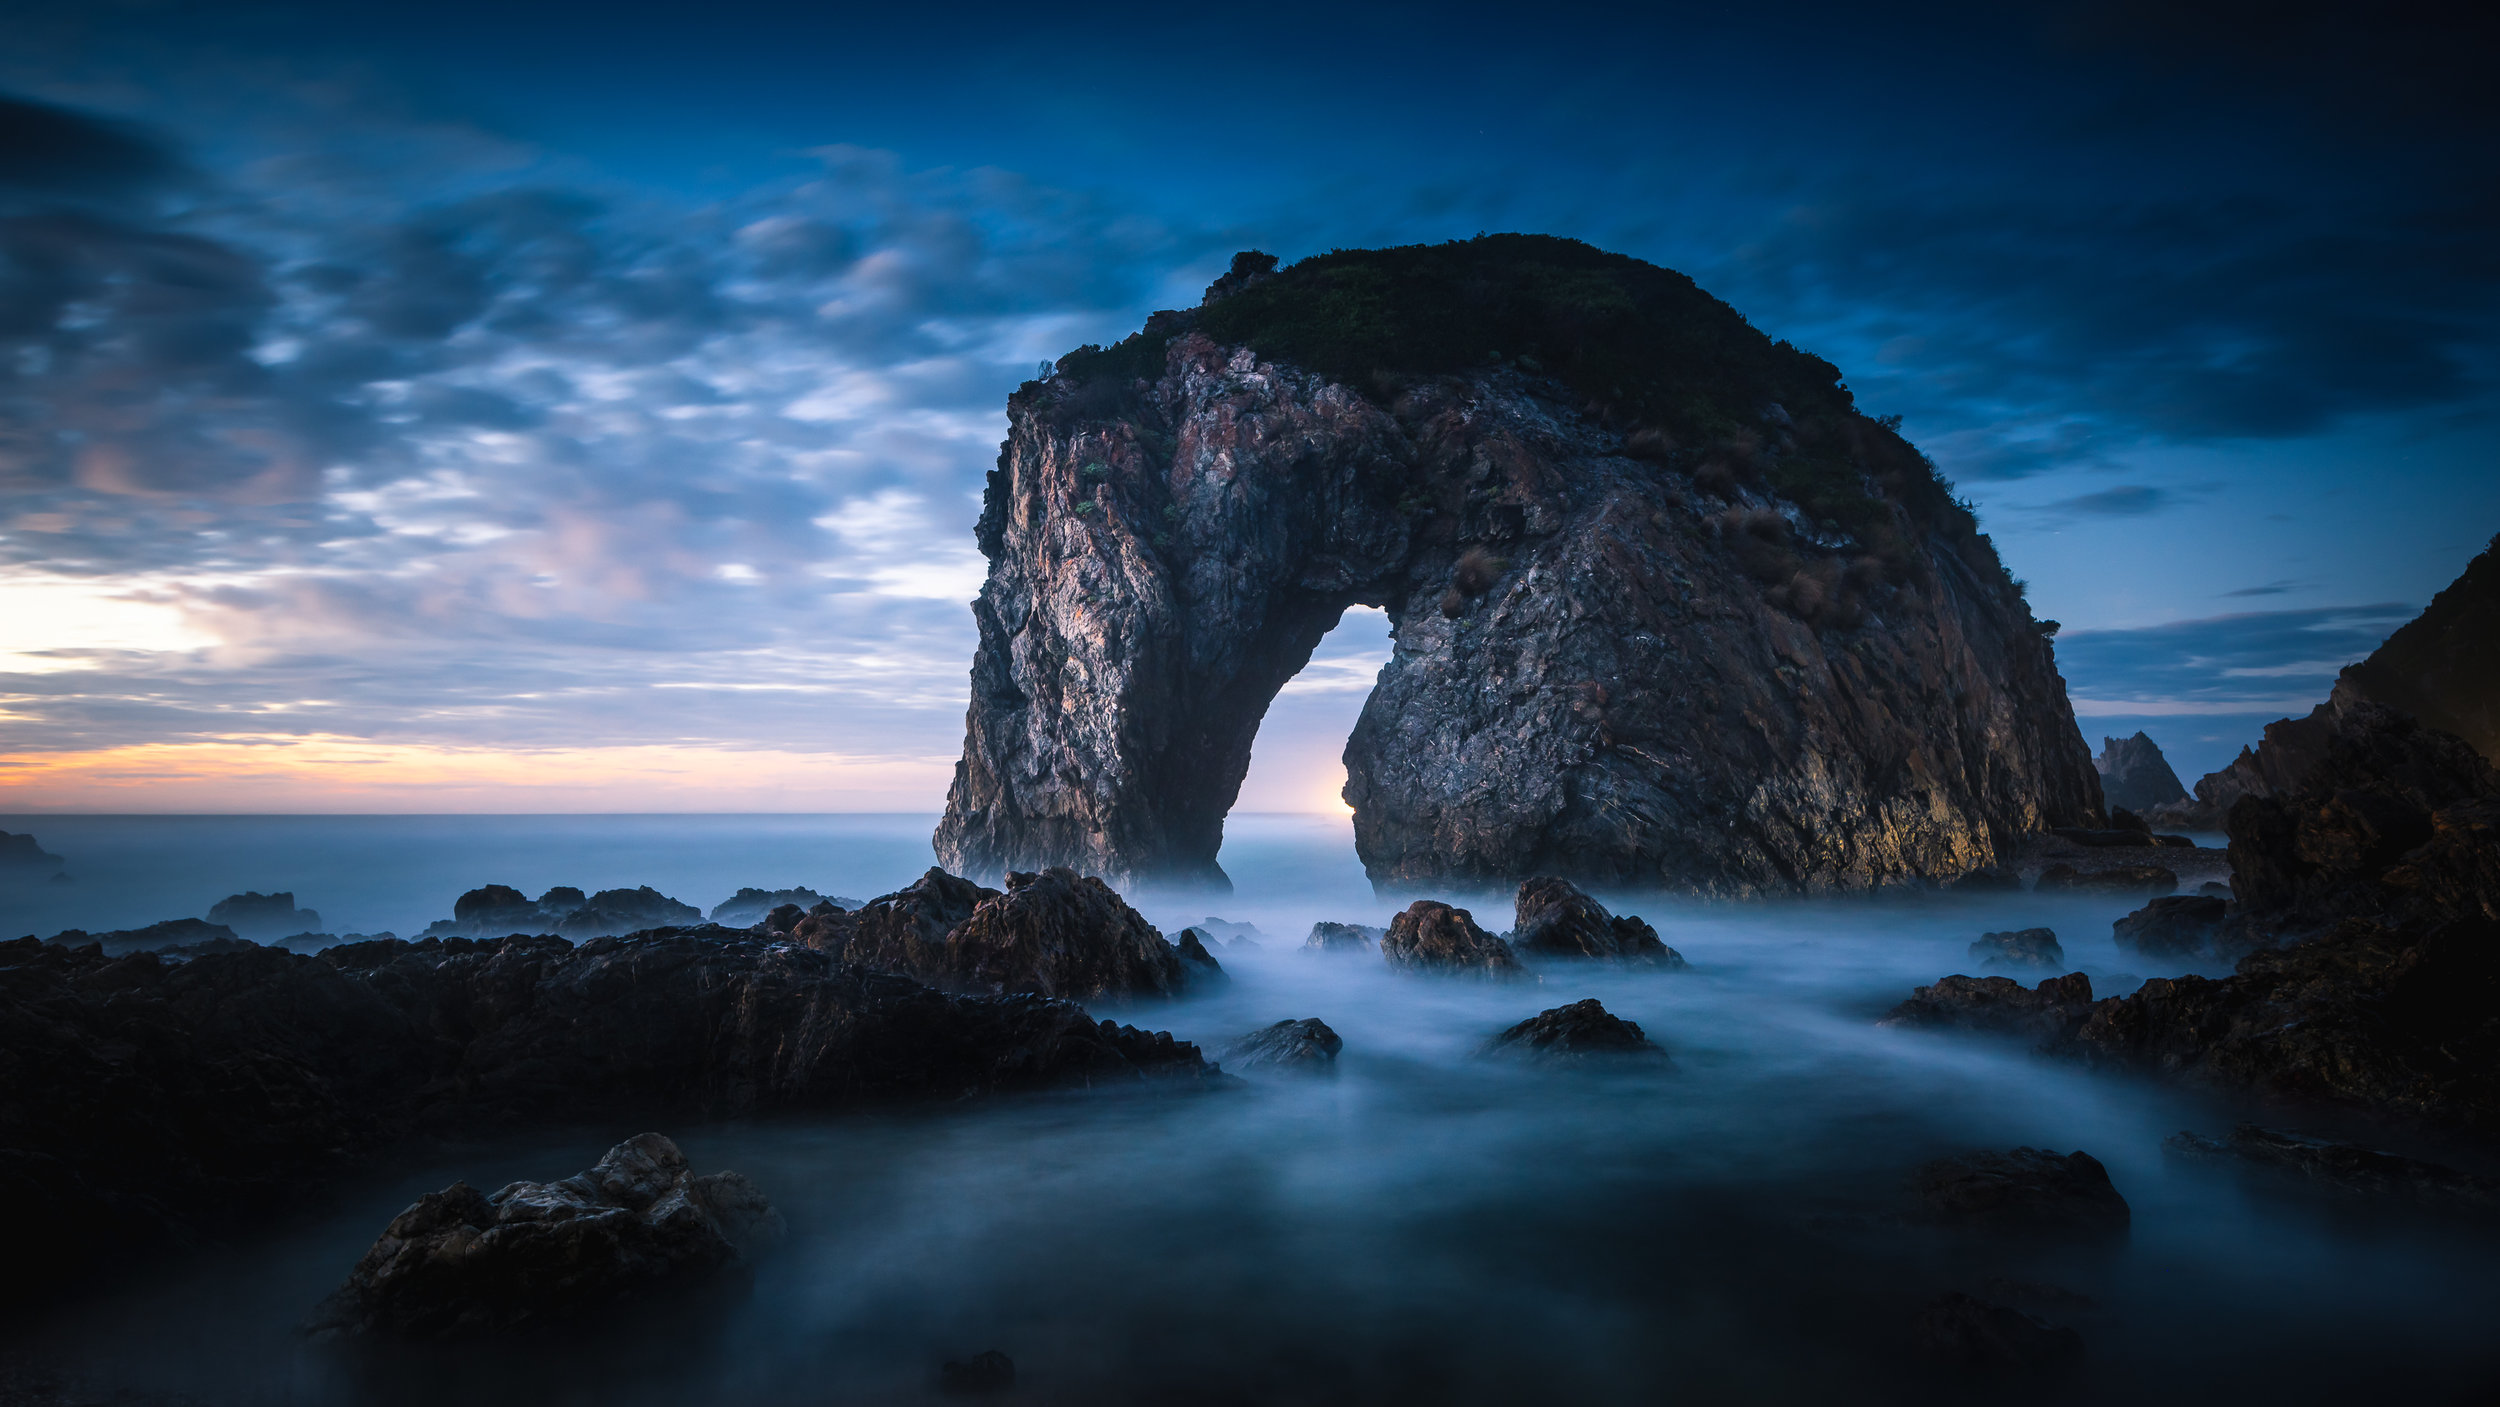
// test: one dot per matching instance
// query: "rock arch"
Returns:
(1618, 656)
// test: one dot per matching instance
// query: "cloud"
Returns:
(54, 153)
(2127, 501)
(2272, 588)
(2273, 662)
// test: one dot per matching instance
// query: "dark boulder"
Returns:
(1245, 936)
(2025, 1191)
(1553, 919)
(496, 908)
(1342, 938)
(1582, 1031)
(1965, 1332)
(2135, 775)
(2020, 948)
(750, 906)
(156, 937)
(904, 931)
(2048, 1013)
(2349, 1168)
(1988, 879)
(1431, 936)
(612, 913)
(2184, 927)
(1304, 1047)
(462, 1264)
(2107, 879)
(262, 917)
(1199, 967)
(1061, 934)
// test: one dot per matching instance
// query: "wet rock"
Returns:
(614, 912)
(749, 905)
(154, 1100)
(1988, 879)
(262, 917)
(904, 931)
(1592, 676)
(1582, 1031)
(2106, 879)
(2135, 775)
(2027, 1191)
(462, 1264)
(1342, 938)
(2049, 1013)
(1555, 920)
(1967, 1332)
(1304, 1047)
(2020, 948)
(2348, 1168)
(2185, 927)
(1433, 937)
(981, 1375)
(1064, 935)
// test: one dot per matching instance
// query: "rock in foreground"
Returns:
(1433, 937)
(1582, 1031)
(1304, 1047)
(2029, 1191)
(2049, 1013)
(535, 1255)
(1554, 919)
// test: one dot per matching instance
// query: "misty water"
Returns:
(1428, 1225)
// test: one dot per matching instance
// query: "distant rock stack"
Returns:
(2135, 775)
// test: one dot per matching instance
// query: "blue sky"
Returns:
(555, 407)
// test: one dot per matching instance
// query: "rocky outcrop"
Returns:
(2028, 1191)
(1579, 1033)
(144, 1100)
(750, 905)
(2347, 1168)
(22, 860)
(2179, 927)
(2135, 775)
(500, 911)
(1669, 610)
(1329, 937)
(2442, 668)
(2020, 948)
(1433, 937)
(156, 937)
(261, 917)
(1553, 919)
(463, 1264)
(2049, 1014)
(1304, 1047)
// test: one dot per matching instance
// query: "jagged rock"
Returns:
(261, 917)
(1199, 967)
(1065, 935)
(1582, 1031)
(2026, 947)
(749, 905)
(2048, 1013)
(904, 931)
(2442, 668)
(171, 933)
(1245, 936)
(21, 860)
(1430, 936)
(1342, 938)
(462, 1264)
(2023, 1191)
(2345, 1167)
(2135, 775)
(614, 912)
(2107, 879)
(1553, 919)
(1966, 1332)
(1988, 879)
(1722, 593)
(1304, 1047)
(980, 1375)
(2179, 926)
(151, 1100)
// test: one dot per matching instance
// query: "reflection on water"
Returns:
(1429, 1226)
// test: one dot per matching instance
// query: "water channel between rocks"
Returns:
(1428, 1225)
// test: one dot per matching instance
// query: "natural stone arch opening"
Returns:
(1297, 759)
(1777, 659)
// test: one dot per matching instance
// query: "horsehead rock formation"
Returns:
(1668, 610)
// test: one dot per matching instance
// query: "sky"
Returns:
(541, 407)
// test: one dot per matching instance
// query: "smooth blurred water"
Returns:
(1429, 1225)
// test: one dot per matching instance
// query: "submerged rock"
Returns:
(1582, 1031)
(2345, 1167)
(2107, 879)
(1304, 1047)
(1967, 1332)
(2048, 1013)
(1433, 937)
(262, 917)
(2025, 947)
(535, 1255)
(1554, 919)
(2025, 1190)
(1342, 938)
(1721, 592)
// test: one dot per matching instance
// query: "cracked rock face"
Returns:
(1622, 655)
